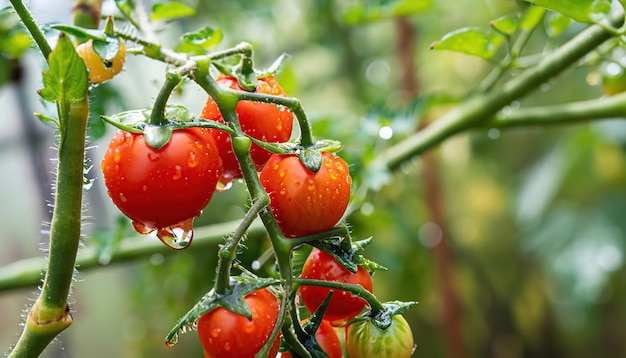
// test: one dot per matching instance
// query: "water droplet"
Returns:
(227, 347)
(144, 188)
(172, 342)
(224, 184)
(128, 138)
(153, 156)
(282, 173)
(385, 132)
(87, 183)
(117, 156)
(256, 265)
(177, 236)
(283, 192)
(123, 198)
(141, 228)
(215, 332)
(279, 126)
(191, 160)
(178, 172)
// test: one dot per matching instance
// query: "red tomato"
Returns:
(327, 339)
(365, 340)
(304, 202)
(343, 305)
(263, 121)
(225, 334)
(164, 187)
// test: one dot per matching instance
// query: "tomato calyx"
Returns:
(382, 318)
(232, 300)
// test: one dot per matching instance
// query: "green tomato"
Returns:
(364, 339)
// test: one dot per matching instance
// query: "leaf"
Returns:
(585, 11)
(470, 41)
(506, 25)
(171, 10)
(108, 49)
(364, 13)
(557, 24)
(532, 18)
(201, 41)
(157, 136)
(81, 32)
(66, 80)
(311, 159)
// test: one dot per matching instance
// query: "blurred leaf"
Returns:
(385, 9)
(171, 10)
(532, 18)
(201, 41)
(81, 32)
(557, 24)
(506, 25)
(585, 11)
(471, 41)
(107, 50)
(66, 80)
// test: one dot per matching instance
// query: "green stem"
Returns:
(604, 108)
(50, 314)
(228, 252)
(358, 290)
(32, 27)
(482, 107)
(157, 116)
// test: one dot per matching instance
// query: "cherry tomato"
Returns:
(304, 202)
(262, 121)
(365, 340)
(101, 70)
(327, 339)
(161, 188)
(343, 305)
(225, 334)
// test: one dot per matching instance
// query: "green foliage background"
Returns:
(535, 216)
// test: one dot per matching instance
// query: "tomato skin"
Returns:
(224, 334)
(327, 339)
(99, 69)
(365, 340)
(343, 305)
(161, 188)
(262, 121)
(304, 202)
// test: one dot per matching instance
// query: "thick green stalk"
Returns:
(32, 27)
(50, 314)
(482, 107)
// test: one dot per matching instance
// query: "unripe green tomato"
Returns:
(365, 340)
(614, 80)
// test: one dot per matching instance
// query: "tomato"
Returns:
(101, 70)
(365, 340)
(225, 334)
(304, 202)
(262, 121)
(615, 82)
(164, 187)
(343, 305)
(327, 339)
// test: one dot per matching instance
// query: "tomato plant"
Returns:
(225, 334)
(263, 121)
(304, 202)
(327, 339)
(101, 70)
(165, 187)
(343, 305)
(364, 339)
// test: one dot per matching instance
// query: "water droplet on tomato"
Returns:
(227, 347)
(178, 172)
(224, 184)
(117, 156)
(192, 161)
(215, 332)
(141, 228)
(177, 236)
(123, 198)
(144, 188)
(279, 126)
(282, 173)
(128, 138)
(153, 156)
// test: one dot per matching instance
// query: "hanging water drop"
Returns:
(224, 184)
(177, 236)
(141, 228)
(172, 342)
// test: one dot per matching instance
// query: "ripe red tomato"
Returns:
(343, 305)
(304, 202)
(364, 339)
(164, 187)
(225, 334)
(262, 121)
(327, 339)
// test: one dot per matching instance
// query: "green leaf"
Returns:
(532, 18)
(108, 49)
(171, 10)
(506, 25)
(66, 80)
(47, 120)
(585, 11)
(471, 41)
(201, 41)
(557, 24)
(385, 9)
(311, 159)
(81, 32)
(157, 136)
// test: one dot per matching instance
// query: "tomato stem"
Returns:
(375, 305)
(31, 26)
(157, 116)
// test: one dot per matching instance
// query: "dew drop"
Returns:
(123, 198)
(172, 342)
(224, 184)
(227, 347)
(192, 161)
(177, 236)
(153, 157)
(128, 138)
(144, 188)
(178, 172)
(279, 126)
(215, 332)
(117, 156)
(256, 265)
(282, 173)
(141, 228)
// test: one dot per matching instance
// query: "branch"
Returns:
(480, 108)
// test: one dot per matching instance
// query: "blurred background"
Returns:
(512, 241)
